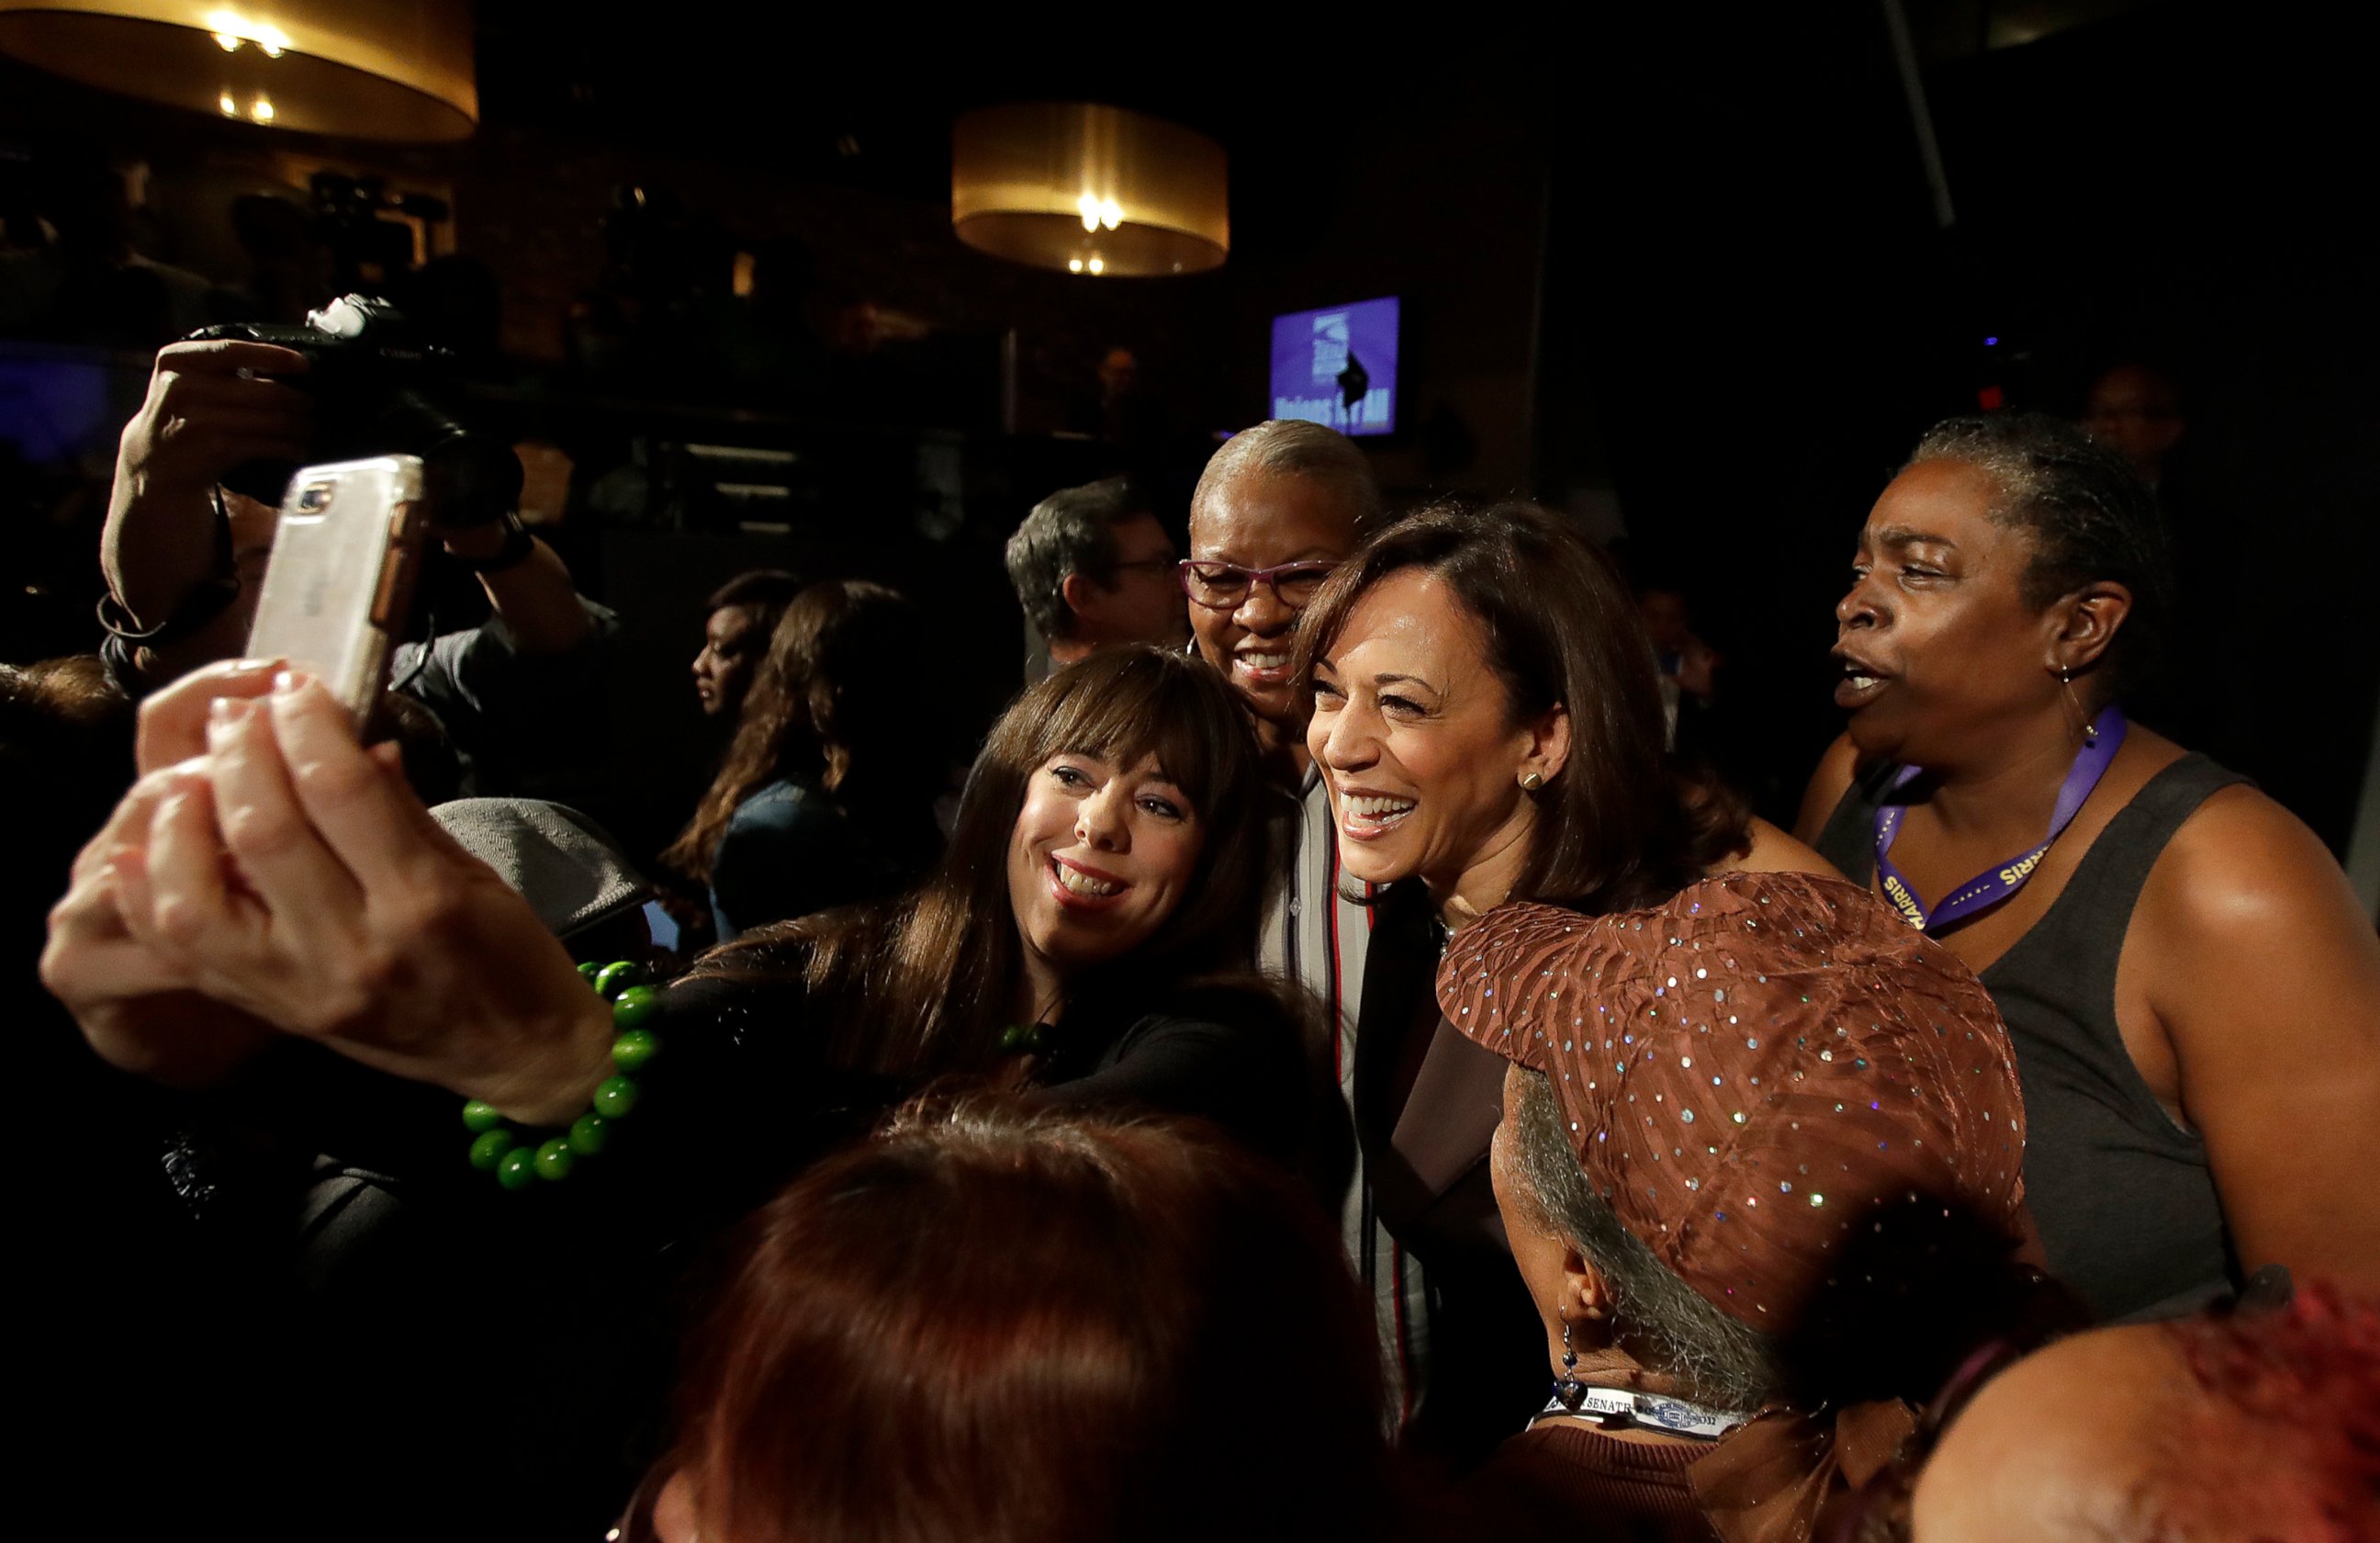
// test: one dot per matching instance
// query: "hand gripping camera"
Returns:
(379, 390)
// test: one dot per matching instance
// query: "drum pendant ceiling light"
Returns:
(1089, 189)
(367, 69)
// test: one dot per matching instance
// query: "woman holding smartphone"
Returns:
(269, 882)
(1080, 939)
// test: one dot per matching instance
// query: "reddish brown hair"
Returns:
(834, 702)
(1009, 1328)
(2286, 1444)
(1616, 828)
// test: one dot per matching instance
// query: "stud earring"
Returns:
(1530, 781)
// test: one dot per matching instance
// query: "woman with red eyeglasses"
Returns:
(1276, 511)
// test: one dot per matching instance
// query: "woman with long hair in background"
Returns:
(826, 792)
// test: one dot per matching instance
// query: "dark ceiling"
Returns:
(870, 103)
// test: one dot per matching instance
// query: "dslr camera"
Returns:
(379, 390)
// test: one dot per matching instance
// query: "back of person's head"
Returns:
(2283, 1439)
(1614, 828)
(834, 701)
(1014, 1328)
(1797, 1174)
(2090, 518)
(2259, 1423)
(1939, 1280)
(570, 871)
(46, 708)
(1289, 447)
(840, 681)
(2136, 409)
(65, 756)
(1071, 531)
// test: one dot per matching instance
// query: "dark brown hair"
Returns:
(1617, 827)
(767, 590)
(833, 702)
(923, 987)
(1017, 1328)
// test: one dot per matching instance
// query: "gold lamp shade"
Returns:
(367, 69)
(1089, 189)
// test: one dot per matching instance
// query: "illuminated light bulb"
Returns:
(394, 70)
(1045, 183)
(1098, 266)
(231, 30)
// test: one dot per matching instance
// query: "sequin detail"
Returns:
(1813, 1024)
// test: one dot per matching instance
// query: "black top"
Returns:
(415, 1344)
(746, 1053)
(1426, 1100)
(741, 1100)
(2123, 1197)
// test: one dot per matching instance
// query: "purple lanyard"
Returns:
(1988, 889)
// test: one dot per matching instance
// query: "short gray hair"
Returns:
(1718, 1357)
(1290, 447)
(1070, 532)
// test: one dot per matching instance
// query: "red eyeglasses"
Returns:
(1225, 586)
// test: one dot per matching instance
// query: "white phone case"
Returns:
(341, 577)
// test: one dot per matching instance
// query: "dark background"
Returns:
(1682, 276)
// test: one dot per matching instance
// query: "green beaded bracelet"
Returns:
(519, 1159)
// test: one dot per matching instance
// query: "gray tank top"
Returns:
(2123, 1197)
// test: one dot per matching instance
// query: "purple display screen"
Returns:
(1338, 366)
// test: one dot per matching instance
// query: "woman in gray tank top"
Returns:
(2191, 991)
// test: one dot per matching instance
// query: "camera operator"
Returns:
(183, 556)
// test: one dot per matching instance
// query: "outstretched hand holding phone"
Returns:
(268, 875)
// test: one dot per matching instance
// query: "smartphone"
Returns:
(341, 578)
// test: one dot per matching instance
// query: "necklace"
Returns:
(1987, 889)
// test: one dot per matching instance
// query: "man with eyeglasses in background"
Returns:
(1280, 507)
(1093, 566)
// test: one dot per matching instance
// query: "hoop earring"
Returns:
(1567, 1390)
(1531, 782)
(2082, 720)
